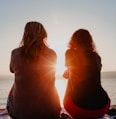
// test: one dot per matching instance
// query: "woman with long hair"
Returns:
(84, 97)
(34, 95)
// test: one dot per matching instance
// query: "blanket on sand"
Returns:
(64, 115)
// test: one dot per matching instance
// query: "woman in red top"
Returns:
(34, 95)
(84, 97)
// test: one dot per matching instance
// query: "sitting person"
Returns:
(84, 97)
(33, 95)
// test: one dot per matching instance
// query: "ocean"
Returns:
(6, 83)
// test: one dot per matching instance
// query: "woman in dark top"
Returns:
(34, 95)
(84, 97)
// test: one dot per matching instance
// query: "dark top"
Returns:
(34, 93)
(84, 85)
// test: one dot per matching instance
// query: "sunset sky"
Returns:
(60, 18)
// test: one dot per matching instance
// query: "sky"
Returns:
(60, 19)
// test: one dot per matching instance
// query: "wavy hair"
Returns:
(32, 41)
(83, 39)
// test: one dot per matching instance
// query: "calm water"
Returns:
(6, 83)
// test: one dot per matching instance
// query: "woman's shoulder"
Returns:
(93, 55)
(50, 54)
(70, 52)
(96, 56)
(50, 51)
(16, 50)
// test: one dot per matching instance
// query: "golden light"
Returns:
(60, 83)
(61, 87)
(59, 46)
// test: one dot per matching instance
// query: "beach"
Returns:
(6, 83)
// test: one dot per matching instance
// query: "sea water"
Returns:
(6, 83)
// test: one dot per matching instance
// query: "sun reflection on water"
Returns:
(61, 87)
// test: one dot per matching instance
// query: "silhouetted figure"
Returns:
(84, 97)
(34, 95)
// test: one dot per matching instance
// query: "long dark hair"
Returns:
(32, 41)
(83, 39)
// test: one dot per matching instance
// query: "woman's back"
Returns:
(85, 80)
(35, 94)
(84, 93)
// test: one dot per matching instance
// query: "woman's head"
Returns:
(32, 41)
(82, 38)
